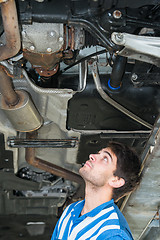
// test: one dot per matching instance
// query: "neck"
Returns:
(95, 196)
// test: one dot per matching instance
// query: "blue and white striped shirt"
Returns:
(104, 222)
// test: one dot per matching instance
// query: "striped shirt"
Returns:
(104, 222)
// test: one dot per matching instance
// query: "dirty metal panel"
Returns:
(142, 205)
(6, 156)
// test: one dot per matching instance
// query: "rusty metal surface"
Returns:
(10, 96)
(47, 64)
(47, 73)
(49, 167)
(71, 38)
(11, 29)
(45, 61)
(141, 207)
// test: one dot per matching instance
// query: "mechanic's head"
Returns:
(128, 168)
(115, 167)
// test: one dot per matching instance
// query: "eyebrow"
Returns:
(108, 154)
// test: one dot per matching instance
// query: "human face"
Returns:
(99, 168)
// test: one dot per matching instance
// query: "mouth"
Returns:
(89, 164)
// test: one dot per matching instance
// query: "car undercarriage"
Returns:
(73, 76)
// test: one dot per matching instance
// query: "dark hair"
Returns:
(128, 168)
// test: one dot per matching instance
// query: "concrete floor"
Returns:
(26, 227)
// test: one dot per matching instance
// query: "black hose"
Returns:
(117, 72)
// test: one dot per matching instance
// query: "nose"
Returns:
(92, 157)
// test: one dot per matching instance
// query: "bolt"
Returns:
(119, 37)
(72, 144)
(117, 14)
(151, 149)
(20, 234)
(60, 39)
(49, 49)
(52, 34)
(32, 48)
(134, 77)
(24, 33)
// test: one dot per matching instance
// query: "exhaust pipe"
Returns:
(18, 106)
(11, 29)
(54, 169)
(47, 166)
(6, 88)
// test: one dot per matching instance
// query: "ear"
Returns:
(116, 182)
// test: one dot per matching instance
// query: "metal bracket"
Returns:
(41, 143)
(142, 48)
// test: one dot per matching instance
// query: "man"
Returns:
(110, 174)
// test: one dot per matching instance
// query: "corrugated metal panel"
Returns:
(142, 205)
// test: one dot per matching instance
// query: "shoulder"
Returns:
(115, 225)
(116, 234)
(122, 222)
(115, 238)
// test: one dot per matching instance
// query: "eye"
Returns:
(105, 159)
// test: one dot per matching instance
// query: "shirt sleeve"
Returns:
(115, 238)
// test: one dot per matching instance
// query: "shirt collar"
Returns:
(78, 208)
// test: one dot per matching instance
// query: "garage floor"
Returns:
(26, 227)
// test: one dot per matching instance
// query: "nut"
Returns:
(117, 14)
(32, 48)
